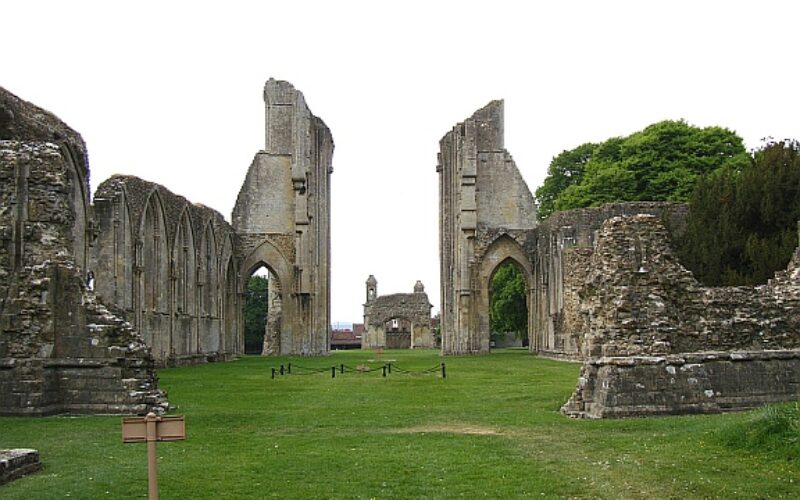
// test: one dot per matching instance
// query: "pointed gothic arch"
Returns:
(208, 291)
(502, 250)
(152, 276)
(279, 338)
(184, 284)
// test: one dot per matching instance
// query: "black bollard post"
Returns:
(384, 370)
(273, 373)
(390, 368)
(444, 373)
(333, 372)
(341, 368)
(290, 369)
(281, 369)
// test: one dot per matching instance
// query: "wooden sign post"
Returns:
(151, 429)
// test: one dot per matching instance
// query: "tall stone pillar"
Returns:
(282, 217)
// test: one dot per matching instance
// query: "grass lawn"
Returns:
(490, 429)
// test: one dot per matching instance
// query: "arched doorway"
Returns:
(508, 306)
(262, 312)
(502, 252)
(399, 332)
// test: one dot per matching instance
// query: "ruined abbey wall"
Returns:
(658, 342)
(282, 219)
(605, 288)
(413, 309)
(93, 297)
(169, 265)
(480, 191)
(561, 252)
(61, 349)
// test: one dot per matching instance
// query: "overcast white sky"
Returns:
(172, 92)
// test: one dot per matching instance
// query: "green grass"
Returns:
(775, 429)
(491, 429)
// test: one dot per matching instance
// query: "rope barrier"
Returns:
(384, 370)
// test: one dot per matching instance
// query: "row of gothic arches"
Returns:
(170, 266)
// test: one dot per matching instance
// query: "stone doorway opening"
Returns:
(398, 333)
(508, 305)
(262, 313)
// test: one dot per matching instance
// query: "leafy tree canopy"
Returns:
(660, 163)
(742, 225)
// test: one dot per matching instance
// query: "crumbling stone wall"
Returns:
(561, 250)
(658, 342)
(61, 350)
(604, 287)
(487, 218)
(413, 309)
(170, 266)
(282, 218)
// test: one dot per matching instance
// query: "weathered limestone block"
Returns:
(709, 382)
(18, 462)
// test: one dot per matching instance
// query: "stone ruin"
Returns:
(61, 349)
(94, 296)
(398, 320)
(605, 288)
(656, 341)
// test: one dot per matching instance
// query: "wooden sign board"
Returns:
(134, 429)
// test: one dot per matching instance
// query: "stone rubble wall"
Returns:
(61, 350)
(659, 342)
(561, 250)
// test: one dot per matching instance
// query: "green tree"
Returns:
(564, 171)
(660, 163)
(255, 314)
(509, 310)
(742, 225)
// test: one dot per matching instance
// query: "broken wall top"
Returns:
(23, 121)
(493, 193)
(297, 153)
(137, 193)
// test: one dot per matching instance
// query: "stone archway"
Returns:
(280, 329)
(502, 250)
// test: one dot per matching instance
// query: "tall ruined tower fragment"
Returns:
(282, 218)
(481, 194)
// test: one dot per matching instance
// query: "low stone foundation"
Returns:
(17, 463)
(197, 359)
(79, 386)
(700, 382)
